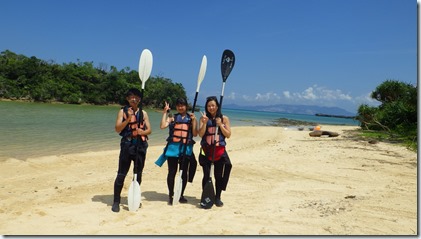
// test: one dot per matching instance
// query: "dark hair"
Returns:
(133, 91)
(218, 112)
(181, 101)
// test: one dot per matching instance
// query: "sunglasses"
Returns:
(211, 98)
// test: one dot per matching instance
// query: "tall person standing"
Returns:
(179, 150)
(133, 125)
(211, 119)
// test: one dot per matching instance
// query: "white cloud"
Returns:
(231, 96)
(309, 94)
(268, 97)
(247, 98)
(317, 93)
(313, 95)
(366, 99)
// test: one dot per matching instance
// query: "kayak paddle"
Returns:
(208, 195)
(179, 181)
(145, 67)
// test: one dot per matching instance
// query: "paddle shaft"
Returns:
(145, 68)
(227, 63)
(195, 100)
(201, 76)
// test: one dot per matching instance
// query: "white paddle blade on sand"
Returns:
(177, 188)
(133, 197)
(145, 66)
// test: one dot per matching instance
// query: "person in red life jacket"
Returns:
(179, 150)
(211, 119)
(134, 127)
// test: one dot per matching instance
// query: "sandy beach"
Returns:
(283, 182)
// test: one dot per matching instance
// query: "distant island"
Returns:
(335, 116)
(296, 109)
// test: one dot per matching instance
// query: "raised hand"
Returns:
(204, 119)
(166, 108)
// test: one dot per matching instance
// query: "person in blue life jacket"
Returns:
(211, 119)
(133, 125)
(179, 150)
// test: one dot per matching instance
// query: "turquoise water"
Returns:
(38, 129)
(245, 117)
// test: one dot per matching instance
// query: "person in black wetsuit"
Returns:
(133, 125)
(179, 150)
(211, 119)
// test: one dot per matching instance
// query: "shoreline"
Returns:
(309, 185)
(162, 143)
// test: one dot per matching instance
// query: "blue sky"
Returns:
(311, 52)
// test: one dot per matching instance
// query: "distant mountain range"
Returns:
(295, 109)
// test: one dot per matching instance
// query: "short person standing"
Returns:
(133, 126)
(179, 149)
(211, 119)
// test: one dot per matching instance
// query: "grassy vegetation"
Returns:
(384, 136)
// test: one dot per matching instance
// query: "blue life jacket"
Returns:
(209, 136)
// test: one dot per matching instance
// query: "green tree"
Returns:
(33, 79)
(160, 89)
(397, 113)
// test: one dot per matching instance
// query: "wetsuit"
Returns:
(132, 148)
(180, 134)
(222, 162)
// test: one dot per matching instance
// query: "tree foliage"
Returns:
(397, 112)
(33, 79)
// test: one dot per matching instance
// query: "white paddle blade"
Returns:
(177, 188)
(145, 66)
(202, 72)
(134, 197)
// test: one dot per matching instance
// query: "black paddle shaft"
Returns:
(195, 100)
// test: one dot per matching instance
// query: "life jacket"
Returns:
(136, 122)
(209, 137)
(180, 130)
(208, 144)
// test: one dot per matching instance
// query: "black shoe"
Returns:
(218, 202)
(116, 207)
(170, 201)
(182, 199)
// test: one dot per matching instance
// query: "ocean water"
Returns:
(38, 129)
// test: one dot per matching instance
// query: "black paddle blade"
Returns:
(208, 195)
(227, 63)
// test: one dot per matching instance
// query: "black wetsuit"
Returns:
(131, 149)
(222, 167)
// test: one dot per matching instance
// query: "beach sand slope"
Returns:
(283, 182)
